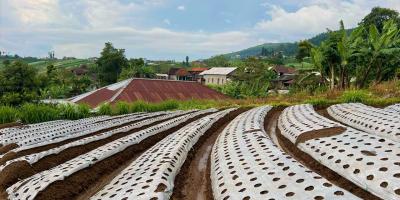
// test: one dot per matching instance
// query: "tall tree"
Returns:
(187, 61)
(17, 83)
(110, 64)
(347, 47)
(377, 48)
(303, 50)
(379, 16)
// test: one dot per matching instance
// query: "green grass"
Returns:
(355, 96)
(32, 113)
(7, 114)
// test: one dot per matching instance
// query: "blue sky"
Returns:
(168, 29)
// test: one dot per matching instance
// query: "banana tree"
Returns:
(379, 45)
(347, 47)
(317, 58)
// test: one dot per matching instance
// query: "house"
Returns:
(162, 76)
(285, 77)
(195, 73)
(178, 74)
(218, 75)
(150, 90)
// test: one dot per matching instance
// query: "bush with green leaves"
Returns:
(8, 114)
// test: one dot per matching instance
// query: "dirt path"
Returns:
(287, 146)
(89, 180)
(193, 180)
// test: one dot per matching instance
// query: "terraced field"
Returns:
(346, 151)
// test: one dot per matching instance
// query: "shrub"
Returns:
(105, 109)
(122, 108)
(139, 106)
(7, 114)
(355, 96)
(35, 113)
(83, 111)
(320, 102)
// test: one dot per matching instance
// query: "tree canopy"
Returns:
(110, 64)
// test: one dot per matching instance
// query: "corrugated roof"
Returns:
(285, 70)
(219, 71)
(151, 90)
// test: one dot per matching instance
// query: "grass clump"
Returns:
(122, 108)
(105, 109)
(35, 113)
(7, 114)
(73, 112)
(355, 96)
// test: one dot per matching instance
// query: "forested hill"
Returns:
(288, 49)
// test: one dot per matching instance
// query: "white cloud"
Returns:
(181, 8)
(166, 21)
(316, 17)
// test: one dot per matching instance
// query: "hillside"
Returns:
(288, 49)
(41, 64)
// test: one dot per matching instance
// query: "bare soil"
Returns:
(193, 180)
(287, 146)
(86, 182)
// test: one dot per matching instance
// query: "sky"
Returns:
(168, 29)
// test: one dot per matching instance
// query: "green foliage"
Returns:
(304, 50)
(105, 109)
(110, 64)
(355, 96)
(122, 108)
(136, 68)
(73, 112)
(7, 114)
(17, 83)
(287, 49)
(217, 61)
(320, 102)
(35, 113)
(379, 16)
(142, 106)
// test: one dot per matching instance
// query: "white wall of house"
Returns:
(215, 79)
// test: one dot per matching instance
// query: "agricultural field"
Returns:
(344, 151)
(61, 64)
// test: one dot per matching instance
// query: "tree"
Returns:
(376, 50)
(253, 78)
(331, 55)
(317, 58)
(110, 64)
(379, 16)
(347, 47)
(304, 50)
(136, 68)
(217, 61)
(187, 61)
(17, 80)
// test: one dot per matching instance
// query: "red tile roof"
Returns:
(198, 69)
(151, 90)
